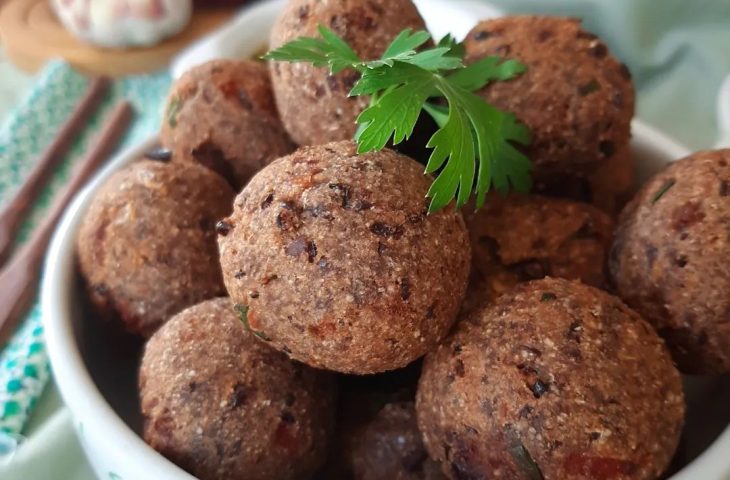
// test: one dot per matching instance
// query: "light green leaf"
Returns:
(329, 51)
(406, 42)
(303, 49)
(436, 59)
(439, 113)
(486, 70)
(340, 55)
(456, 49)
(379, 79)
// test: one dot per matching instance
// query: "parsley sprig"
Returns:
(408, 79)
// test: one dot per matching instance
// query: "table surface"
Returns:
(13, 84)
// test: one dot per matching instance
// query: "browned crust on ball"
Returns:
(527, 237)
(391, 447)
(340, 264)
(611, 184)
(575, 97)
(147, 244)
(556, 380)
(222, 405)
(222, 114)
(608, 188)
(313, 104)
(360, 399)
(670, 259)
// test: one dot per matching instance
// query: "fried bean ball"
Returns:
(147, 244)
(608, 188)
(518, 238)
(575, 97)
(360, 399)
(670, 259)
(339, 263)
(391, 447)
(557, 380)
(220, 404)
(222, 115)
(314, 105)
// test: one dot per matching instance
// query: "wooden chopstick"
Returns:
(14, 213)
(19, 279)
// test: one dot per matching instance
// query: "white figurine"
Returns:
(124, 23)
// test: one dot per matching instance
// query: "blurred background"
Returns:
(676, 50)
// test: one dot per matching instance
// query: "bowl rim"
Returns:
(78, 390)
(118, 440)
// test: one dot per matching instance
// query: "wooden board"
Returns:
(31, 35)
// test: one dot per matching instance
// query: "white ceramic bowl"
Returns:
(96, 371)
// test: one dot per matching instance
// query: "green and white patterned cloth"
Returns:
(24, 368)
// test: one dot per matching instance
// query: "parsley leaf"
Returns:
(475, 146)
(329, 51)
(457, 48)
(394, 115)
(436, 59)
(486, 70)
(377, 80)
(403, 47)
(454, 142)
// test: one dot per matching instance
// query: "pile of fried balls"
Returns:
(322, 324)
